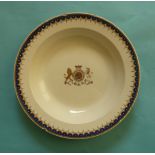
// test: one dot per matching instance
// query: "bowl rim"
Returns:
(43, 125)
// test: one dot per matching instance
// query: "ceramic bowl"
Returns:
(76, 75)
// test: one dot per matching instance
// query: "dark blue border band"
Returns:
(19, 90)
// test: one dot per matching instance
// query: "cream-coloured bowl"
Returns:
(76, 75)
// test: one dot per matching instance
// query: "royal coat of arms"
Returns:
(78, 76)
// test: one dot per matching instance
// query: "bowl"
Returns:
(76, 76)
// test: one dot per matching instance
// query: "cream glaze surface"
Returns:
(64, 46)
(77, 104)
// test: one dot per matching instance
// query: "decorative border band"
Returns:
(53, 130)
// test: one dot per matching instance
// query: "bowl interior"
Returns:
(77, 76)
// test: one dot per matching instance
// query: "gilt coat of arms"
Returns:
(78, 76)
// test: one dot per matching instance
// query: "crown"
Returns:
(78, 66)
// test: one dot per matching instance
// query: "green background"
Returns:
(135, 134)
